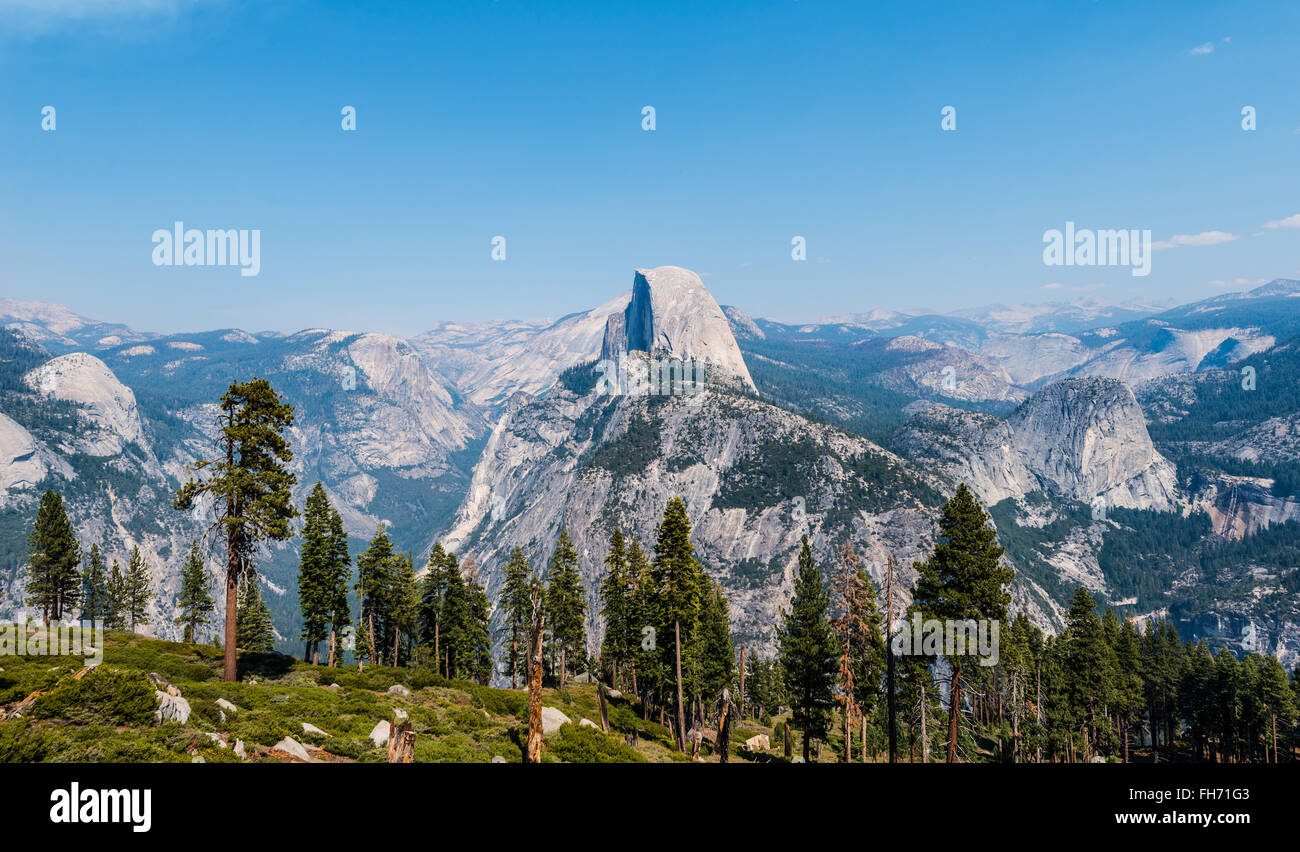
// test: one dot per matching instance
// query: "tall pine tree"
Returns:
(962, 580)
(53, 569)
(808, 653)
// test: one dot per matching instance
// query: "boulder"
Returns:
(613, 693)
(398, 689)
(226, 705)
(758, 742)
(552, 719)
(294, 749)
(312, 729)
(400, 714)
(240, 752)
(587, 723)
(171, 708)
(379, 735)
(219, 739)
(496, 758)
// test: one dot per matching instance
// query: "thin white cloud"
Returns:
(1202, 49)
(1205, 238)
(1236, 282)
(1288, 222)
(39, 16)
(1055, 285)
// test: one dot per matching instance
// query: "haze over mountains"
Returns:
(496, 435)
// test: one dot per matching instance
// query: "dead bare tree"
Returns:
(533, 748)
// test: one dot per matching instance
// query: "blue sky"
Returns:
(477, 119)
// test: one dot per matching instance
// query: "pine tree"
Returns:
(404, 607)
(53, 569)
(677, 578)
(339, 577)
(514, 603)
(962, 580)
(433, 600)
(616, 604)
(115, 612)
(476, 655)
(1279, 703)
(566, 608)
(316, 574)
(195, 602)
(94, 588)
(649, 674)
(809, 651)
(713, 654)
(374, 590)
(1089, 667)
(254, 632)
(250, 482)
(136, 591)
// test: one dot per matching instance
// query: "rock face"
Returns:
(20, 465)
(588, 463)
(1088, 438)
(671, 313)
(109, 404)
(1077, 438)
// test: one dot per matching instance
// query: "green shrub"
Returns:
(584, 744)
(101, 695)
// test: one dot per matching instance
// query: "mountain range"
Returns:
(1149, 453)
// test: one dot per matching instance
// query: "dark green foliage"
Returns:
(195, 602)
(566, 608)
(254, 632)
(101, 696)
(135, 591)
(94, 588)
(53, 560)
(808, 651)
(581, 744)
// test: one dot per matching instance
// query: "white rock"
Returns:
(381, 732)
(312, 729)
(758, 742)
(239, 750)
(552, 719)
(587, 723)
(292, 747)
(226, 705)
(171, 708)
(400, 714)
(398, 689)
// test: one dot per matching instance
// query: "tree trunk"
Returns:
(741, 705)
(331, 655)
(374, 649)
(891, 697)
(954, 710)
(604, 712)
(232, 604)
(533, 749)
(401, 743)
(925, 737)
(397, 637)
(681, 709)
